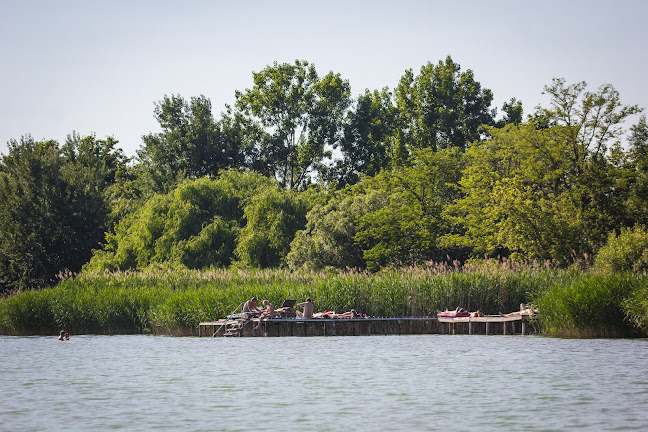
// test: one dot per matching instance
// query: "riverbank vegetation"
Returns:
(571, 302)
(297, 182)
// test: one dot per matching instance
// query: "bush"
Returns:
(626, 252)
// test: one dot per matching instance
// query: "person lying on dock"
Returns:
(308, 309)
(457, 313)
(250, 307)
(524, 311)
(325, 314)
(351, 314)
(332, 315)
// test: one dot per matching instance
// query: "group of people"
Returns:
(250, 309)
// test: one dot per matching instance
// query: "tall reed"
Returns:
(175, 301)
(590, 306)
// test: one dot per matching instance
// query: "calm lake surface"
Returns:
(423, 382)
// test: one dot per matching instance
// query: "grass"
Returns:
(572, 302)
(590, 306)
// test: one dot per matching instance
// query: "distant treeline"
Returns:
(298, 174)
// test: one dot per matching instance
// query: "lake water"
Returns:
(423, 382)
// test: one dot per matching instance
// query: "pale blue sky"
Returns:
(99, 67)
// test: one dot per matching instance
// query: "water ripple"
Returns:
(427, 382)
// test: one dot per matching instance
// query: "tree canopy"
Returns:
(297, 117)
(442, 107)
(298, 173)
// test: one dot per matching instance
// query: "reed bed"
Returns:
(163, 301)
(595, 305)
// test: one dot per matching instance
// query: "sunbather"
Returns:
(351, 314)
(250, 306)
(457, 313)
(332, 315)
(524, 311)
(308, 309)
(325, 314)
(268, 312)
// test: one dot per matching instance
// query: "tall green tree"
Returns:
(591, 124)
(552, 188)
(408, 228)
(192, 144)
(394, 218)
(295, 117)
(591, 120)
(518, 197)
(442, 106)
(369, 132)
(53, 211)
(98, 166)
(638, 165)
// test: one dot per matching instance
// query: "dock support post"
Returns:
(470, 325)
(504, 327)
(523, 326)
(487, 323)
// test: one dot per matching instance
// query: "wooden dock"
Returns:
(489, 324)
(365, 326)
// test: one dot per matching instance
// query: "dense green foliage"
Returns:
(442, 107)
(296, 119)
(53, 206)
(196, 225)
(191, 145)
(626, 252)
(296, 174)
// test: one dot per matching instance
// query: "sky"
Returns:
(99, 67)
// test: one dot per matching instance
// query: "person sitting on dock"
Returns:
(308, 309)
(250, 308)
(268, 312)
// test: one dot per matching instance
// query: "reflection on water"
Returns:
(424, 382)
